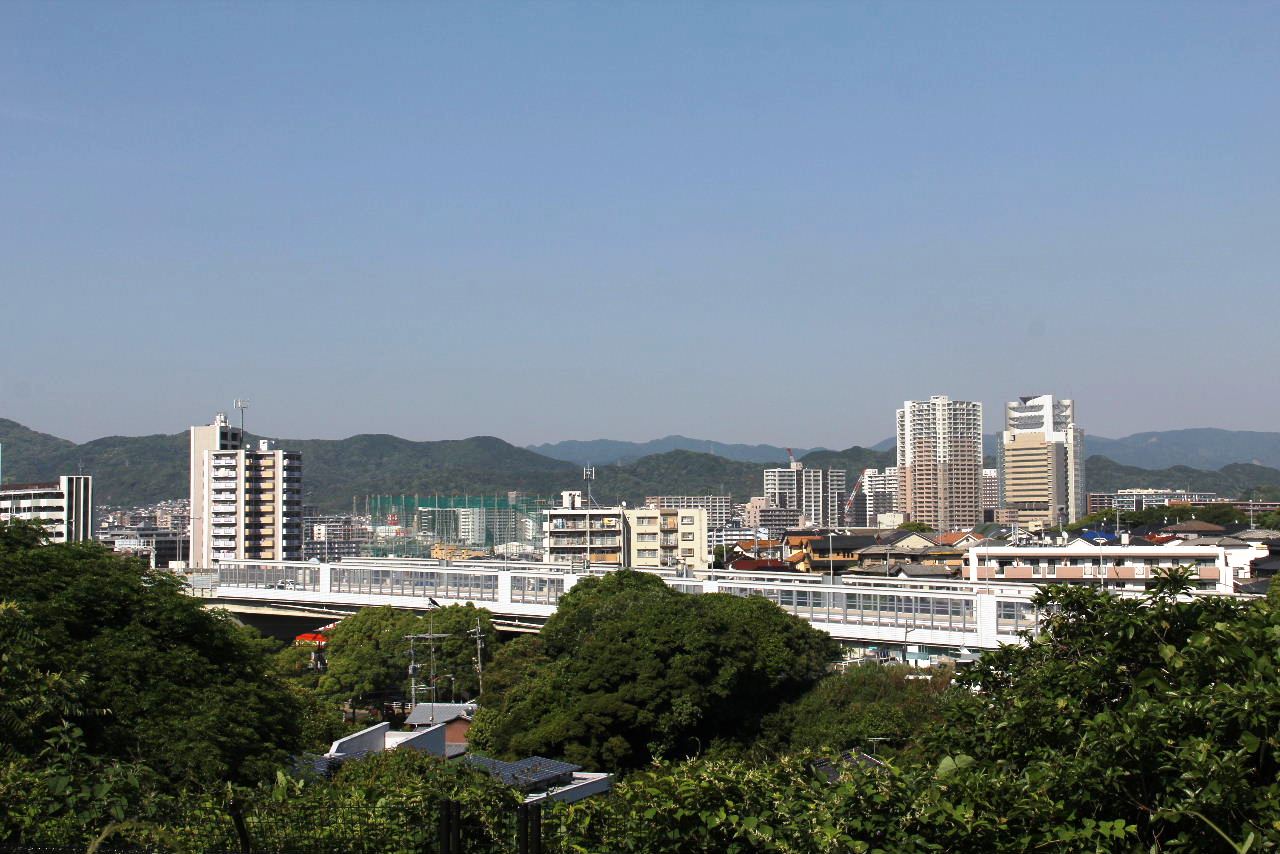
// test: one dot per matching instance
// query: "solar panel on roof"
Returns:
(528, 773)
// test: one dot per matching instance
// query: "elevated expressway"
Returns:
(915, 618)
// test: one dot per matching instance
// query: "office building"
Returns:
(939, 456)
(1042, 462)
(245, 504)
(667, 537)
(64, 506)
(719, 507)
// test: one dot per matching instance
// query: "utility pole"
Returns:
(478, 634)
(589, 474)
(414, 667)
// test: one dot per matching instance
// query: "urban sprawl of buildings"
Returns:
(971, 521)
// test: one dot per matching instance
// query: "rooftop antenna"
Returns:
(242, 405)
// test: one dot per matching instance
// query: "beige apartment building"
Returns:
(246, 504)
(667, 537)
(939, 445)
(1041, 463)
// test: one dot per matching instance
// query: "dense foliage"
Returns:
(886, 709)
(368, 653)
(140, 669)
(628, 670)
(1126, 725)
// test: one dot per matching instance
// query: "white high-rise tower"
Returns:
(1042, 462)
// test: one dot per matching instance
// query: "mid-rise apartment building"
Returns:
(667, 537)
(719, 507)
(990, 492)
(64, 506)
(333, 537)
(760, 514)
(1042, 462)
(939, 462)
(245, 503)
(579, 533)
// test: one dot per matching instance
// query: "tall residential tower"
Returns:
(940, 462)
(245, 503)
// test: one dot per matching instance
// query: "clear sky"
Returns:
(747, 222)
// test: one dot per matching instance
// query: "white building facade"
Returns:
(64, 506)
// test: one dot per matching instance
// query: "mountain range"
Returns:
(1198, 447)
(135, 470)
(603, 452)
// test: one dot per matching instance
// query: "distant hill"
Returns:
(144, 469)
(133, 470)
(603, 452)
(1200, 447)
(1237, 480)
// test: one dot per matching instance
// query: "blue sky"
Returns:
(748, 222)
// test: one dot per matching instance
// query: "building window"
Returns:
(686, 520)
(687, 536)
(643, 553)
(647, 538)
(686, 552)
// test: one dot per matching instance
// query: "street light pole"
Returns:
(831, 555)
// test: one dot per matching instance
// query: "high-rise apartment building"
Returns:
(245, 504)
(879, 494)
(939, 445)
(63, 506)
(1042, 462)
(818, 494)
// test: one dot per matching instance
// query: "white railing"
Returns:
(944, 614)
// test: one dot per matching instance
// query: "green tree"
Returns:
(629, 669)
(1160, 713)
(368, 653)
(872, 708)
(916, 527)
(184, 690)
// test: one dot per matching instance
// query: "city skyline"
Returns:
(357, 221)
